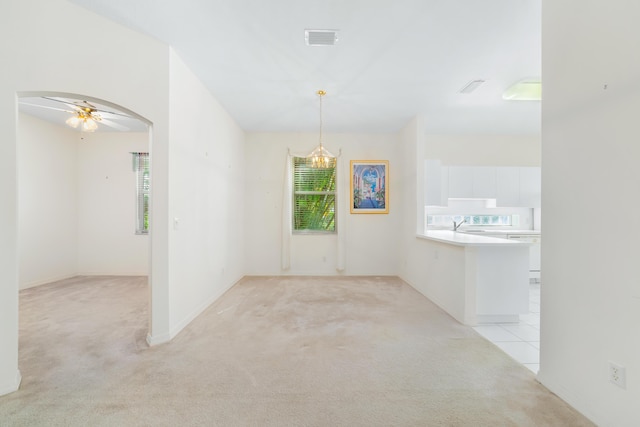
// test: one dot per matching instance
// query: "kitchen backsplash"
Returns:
(481, 213)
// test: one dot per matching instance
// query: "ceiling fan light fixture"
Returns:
(89, 125)
(77, 112)
(87, 120)
(320, 157)
(74, 122)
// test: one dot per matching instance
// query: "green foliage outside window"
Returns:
(314, 197)
(143, 187)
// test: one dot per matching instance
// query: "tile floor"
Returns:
(519, 340)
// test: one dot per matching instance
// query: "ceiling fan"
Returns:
(84, 115)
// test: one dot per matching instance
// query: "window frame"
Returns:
(295, 193)
(483, 220)
(141, 167)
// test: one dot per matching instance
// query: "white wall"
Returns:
(135, 72)
(416, 267)
(484, 150)
(590, 308)
(77, 203)
(48, 201)
(107, 243)
(114, 64)
(371, 239)
(207, 197)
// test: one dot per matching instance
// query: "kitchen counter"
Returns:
(532, 237)
(500, 232)
(462, 238)
(475, 278)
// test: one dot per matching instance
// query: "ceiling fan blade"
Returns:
(68, 104)
(114, 125)
(112, 114)
(48, 108)
(83, 105)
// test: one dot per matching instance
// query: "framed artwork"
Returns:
(369, 186)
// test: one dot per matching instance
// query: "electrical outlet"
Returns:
(618, 375)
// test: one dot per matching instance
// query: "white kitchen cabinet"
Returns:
(472, 182)
(498, 289)
(518, 187)
(508, 186)
(484, 182)
(534, 252)
(460, 182)
(530, 187)
(444, 189)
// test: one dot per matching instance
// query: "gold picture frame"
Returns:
(369, 186)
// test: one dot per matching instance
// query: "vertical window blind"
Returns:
(141, 168)
(314, 197)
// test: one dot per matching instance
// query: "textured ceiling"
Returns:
(394, 59)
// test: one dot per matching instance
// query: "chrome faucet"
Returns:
(456, 226)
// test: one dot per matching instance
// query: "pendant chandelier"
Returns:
(320, 157)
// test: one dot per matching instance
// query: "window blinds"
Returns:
(314, 197)
(141, 168)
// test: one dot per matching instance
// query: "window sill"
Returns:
(314, 233)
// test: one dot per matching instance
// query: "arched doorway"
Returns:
(97, 179)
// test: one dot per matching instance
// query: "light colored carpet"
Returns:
(282, 351)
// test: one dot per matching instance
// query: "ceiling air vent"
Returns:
(320, 37)
(471, 86)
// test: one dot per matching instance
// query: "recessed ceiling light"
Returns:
(320, 37)
(529, 89)
(471, 86)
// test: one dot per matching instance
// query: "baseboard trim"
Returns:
(571, 399)
(497, 318)
(120, 274)
(460, 319)
(198, 311)
(154, 340)
(70, 276)
(46, 281)
(11, 386)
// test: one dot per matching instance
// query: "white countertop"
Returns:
(469, 239)
(501, 232)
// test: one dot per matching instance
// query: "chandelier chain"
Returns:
(320, 157)
(321, 93)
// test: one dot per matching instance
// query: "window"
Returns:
(314, 197)
(141, 168)
(476, 220)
